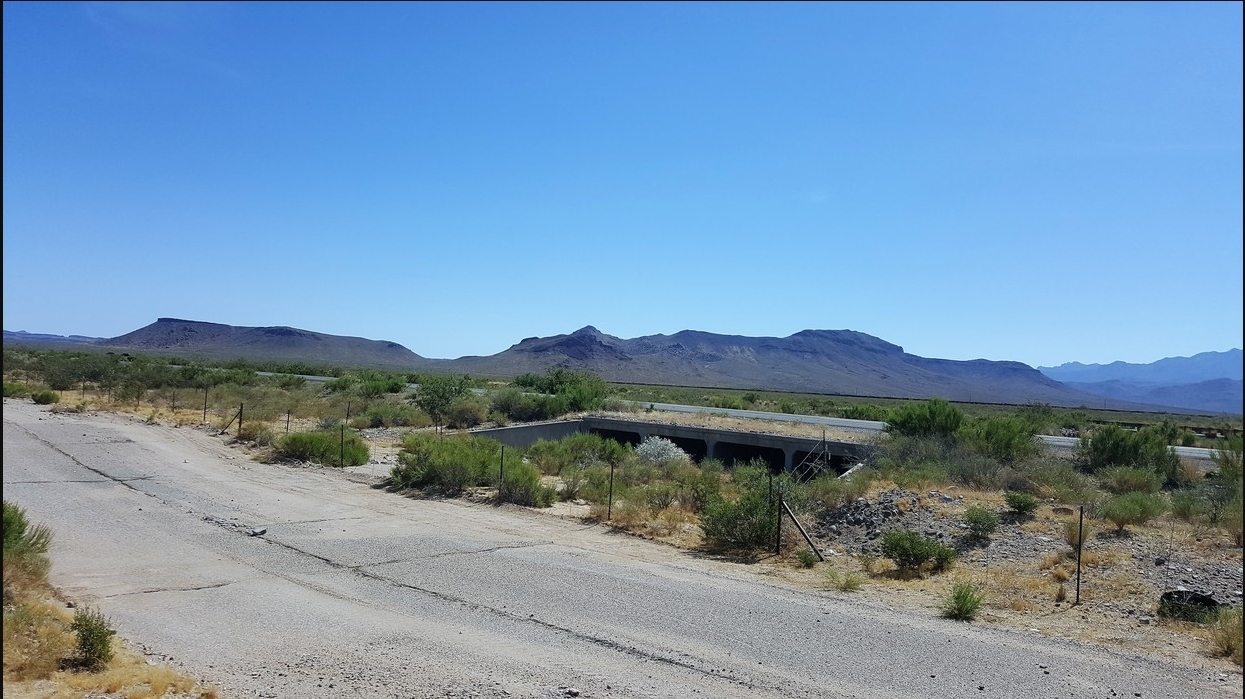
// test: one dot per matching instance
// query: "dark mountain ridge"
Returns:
(832, 362)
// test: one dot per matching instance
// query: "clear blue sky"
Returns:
(1033, 182)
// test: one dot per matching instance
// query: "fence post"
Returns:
(240, 407)
(287, 422)
(778, 530)
(341, 460)
(1080, 544)
(501, 476)
(205, 394)
(609, 506)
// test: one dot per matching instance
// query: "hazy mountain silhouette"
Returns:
(840, 362)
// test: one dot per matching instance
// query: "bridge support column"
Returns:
(788, 459)
(711, 448)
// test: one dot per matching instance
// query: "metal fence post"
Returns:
(778, 529)
(609, 507)
(1080, 544)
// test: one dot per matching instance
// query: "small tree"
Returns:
(436, 393)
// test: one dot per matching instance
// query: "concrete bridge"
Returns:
(780, 452)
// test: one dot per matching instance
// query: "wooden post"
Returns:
(778, 530)
(609, 506)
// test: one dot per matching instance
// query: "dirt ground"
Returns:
(1021, 572)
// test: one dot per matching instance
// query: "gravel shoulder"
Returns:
(353, 590)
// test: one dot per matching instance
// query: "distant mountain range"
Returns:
(840, 362)
(1209, 382)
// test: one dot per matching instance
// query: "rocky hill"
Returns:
(192, 338)
(841, 362)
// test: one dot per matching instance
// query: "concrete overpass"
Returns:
(781, 452)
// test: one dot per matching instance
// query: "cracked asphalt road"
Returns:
(353, 591)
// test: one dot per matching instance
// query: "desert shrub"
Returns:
(1188, 506)
(324, 447)
(750, 522)
(932, 418)
(25, 552)
(527, 407)
(911, 551)
(447, 464)
(1128, 479)
(1231, 521)
(1053, 477)
(974, 470)
(697, 486)
(1006, 439)
(981, 522)
(660, 451)
(45, 397)
(1226, 635)
(1132, 508)
(257, 433)
(385, 415)
(806, 558)
(830, 492)
(95, 633)
(12, 389)
(659, 496)
(844, 582)
(1022, 504)
(1147, 448)
(521, 485)
(596, 485)
(962, 603)
(865, 411)
(466, 412)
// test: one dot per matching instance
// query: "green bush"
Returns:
(1188, 506)
(25, 551)
(1006, 439)
(806, 558)
(962, 603)
(911, 551)
(324, 447)
(865, 411)
(932, 418)
(981, 522)
(749, 523)
(660, 496)
(45, 397)
(1132, 508)
(466, 412)
(1127, 479)
(697, 485)
(521, 485)
(844, 582)
(95, 633)
(13, 389)
(1147, 448)
(1023, 504)
(448, 464)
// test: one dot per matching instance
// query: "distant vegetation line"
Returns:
(134, 376)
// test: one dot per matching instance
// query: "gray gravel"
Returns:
(352, 591)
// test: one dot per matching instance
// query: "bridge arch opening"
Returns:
(732, 453)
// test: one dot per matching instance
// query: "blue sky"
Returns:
(1033, 182)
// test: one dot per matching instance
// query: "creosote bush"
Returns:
(806, 558)
(25, 552)
(962, 603)
(1022, 504)
(912, 552)
(324, 447)
(981, 522)
(45, 397)
(95, 634)
(521, 486)
(1132, 508)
